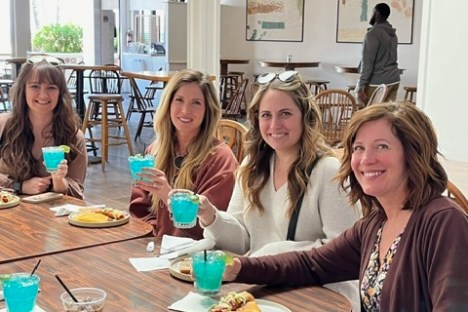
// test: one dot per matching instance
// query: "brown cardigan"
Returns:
(429, 271)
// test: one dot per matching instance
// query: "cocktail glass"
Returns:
(138, 162)
(89, 300)
(20, 292)
(184, 208)
(52, 155)
(208, 271)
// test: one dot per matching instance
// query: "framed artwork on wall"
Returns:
(275, 20)
(354, 15)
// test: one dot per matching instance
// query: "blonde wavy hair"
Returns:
(255, 173)
(427, 178)
(164, 145)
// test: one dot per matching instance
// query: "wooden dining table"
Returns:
(224, 62)
(107, 267)
(345, 69)
(32, 230)
(292, 65)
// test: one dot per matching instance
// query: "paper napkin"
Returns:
(193, 302)
(149, 263)
(173, 247)
(65, 210)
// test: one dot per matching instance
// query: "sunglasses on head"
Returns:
(44, 58)
(286, 76)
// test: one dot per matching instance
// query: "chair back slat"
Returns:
(233, 110)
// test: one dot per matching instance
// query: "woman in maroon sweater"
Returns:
(187, 153)
(410, 250)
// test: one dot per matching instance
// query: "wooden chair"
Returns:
(337, 107)
(454, 193)
(410, 92)
(232, 133)
(233, 109)
(378, 96)
(316, 85)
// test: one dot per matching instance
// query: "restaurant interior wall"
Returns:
(442, 89)
(319, 44)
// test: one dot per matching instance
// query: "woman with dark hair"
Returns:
(285, 197)
(187, 153)
(42, 115)
(409, 251)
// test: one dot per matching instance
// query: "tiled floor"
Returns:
(112, 187)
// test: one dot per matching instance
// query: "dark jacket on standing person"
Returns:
(379, 56)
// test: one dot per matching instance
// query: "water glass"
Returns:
(52, 155)
(20, 292)
(89, 300)
(184, 208)
(138, 162)
(208, 271)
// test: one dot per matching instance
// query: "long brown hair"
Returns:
(427, 178)
(17, 136)
(256, 172)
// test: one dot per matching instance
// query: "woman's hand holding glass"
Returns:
(154, 181)
(232, 270)
(206, 211)
(59, 180)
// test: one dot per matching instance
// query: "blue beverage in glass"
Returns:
(20, 292)
(52, 155)
(208, 272)
(184, 207)
(138, 162)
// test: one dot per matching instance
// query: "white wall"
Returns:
(442, 89)
(319, 44)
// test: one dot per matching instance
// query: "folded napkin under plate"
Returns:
(67, 209)
(193, 302)
(171, 247)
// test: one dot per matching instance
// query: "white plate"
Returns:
(72, 220)
(270, 306)
(14, 202)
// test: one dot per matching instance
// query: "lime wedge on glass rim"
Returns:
(4, 277)
(194, 199)
(66, 148)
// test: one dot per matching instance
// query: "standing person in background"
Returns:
(409, 251)
(285, 179)
(187, 153)
(42, 116)
(379, 63)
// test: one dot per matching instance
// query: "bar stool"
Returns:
(316, 86)
(409, 93)
(106, 101)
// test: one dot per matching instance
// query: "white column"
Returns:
(20, 27)
(203, 36)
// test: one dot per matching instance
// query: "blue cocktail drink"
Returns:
(52, 155)
(138, 162)
(208, 271)
(20, 292)
(184, 207)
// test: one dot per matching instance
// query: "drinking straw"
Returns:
(66, 288)
(204, 255)
(35, 267)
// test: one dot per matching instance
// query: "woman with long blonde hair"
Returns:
(187, 153)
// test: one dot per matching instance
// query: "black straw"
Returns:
(204, 254)
(66, 288)
(35, 267)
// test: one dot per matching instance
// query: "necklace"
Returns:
(178, 161)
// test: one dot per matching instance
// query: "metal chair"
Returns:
(337, 107)
(233, 109)
(232, 133)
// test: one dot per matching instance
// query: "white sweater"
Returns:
(325, 213)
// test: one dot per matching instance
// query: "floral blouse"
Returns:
(374, 276)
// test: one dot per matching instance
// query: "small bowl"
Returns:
(89, 300)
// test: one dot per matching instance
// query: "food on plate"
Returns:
(112, 213)
(100, 215)
(239, 302)
(185, 266)
(6, 197)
